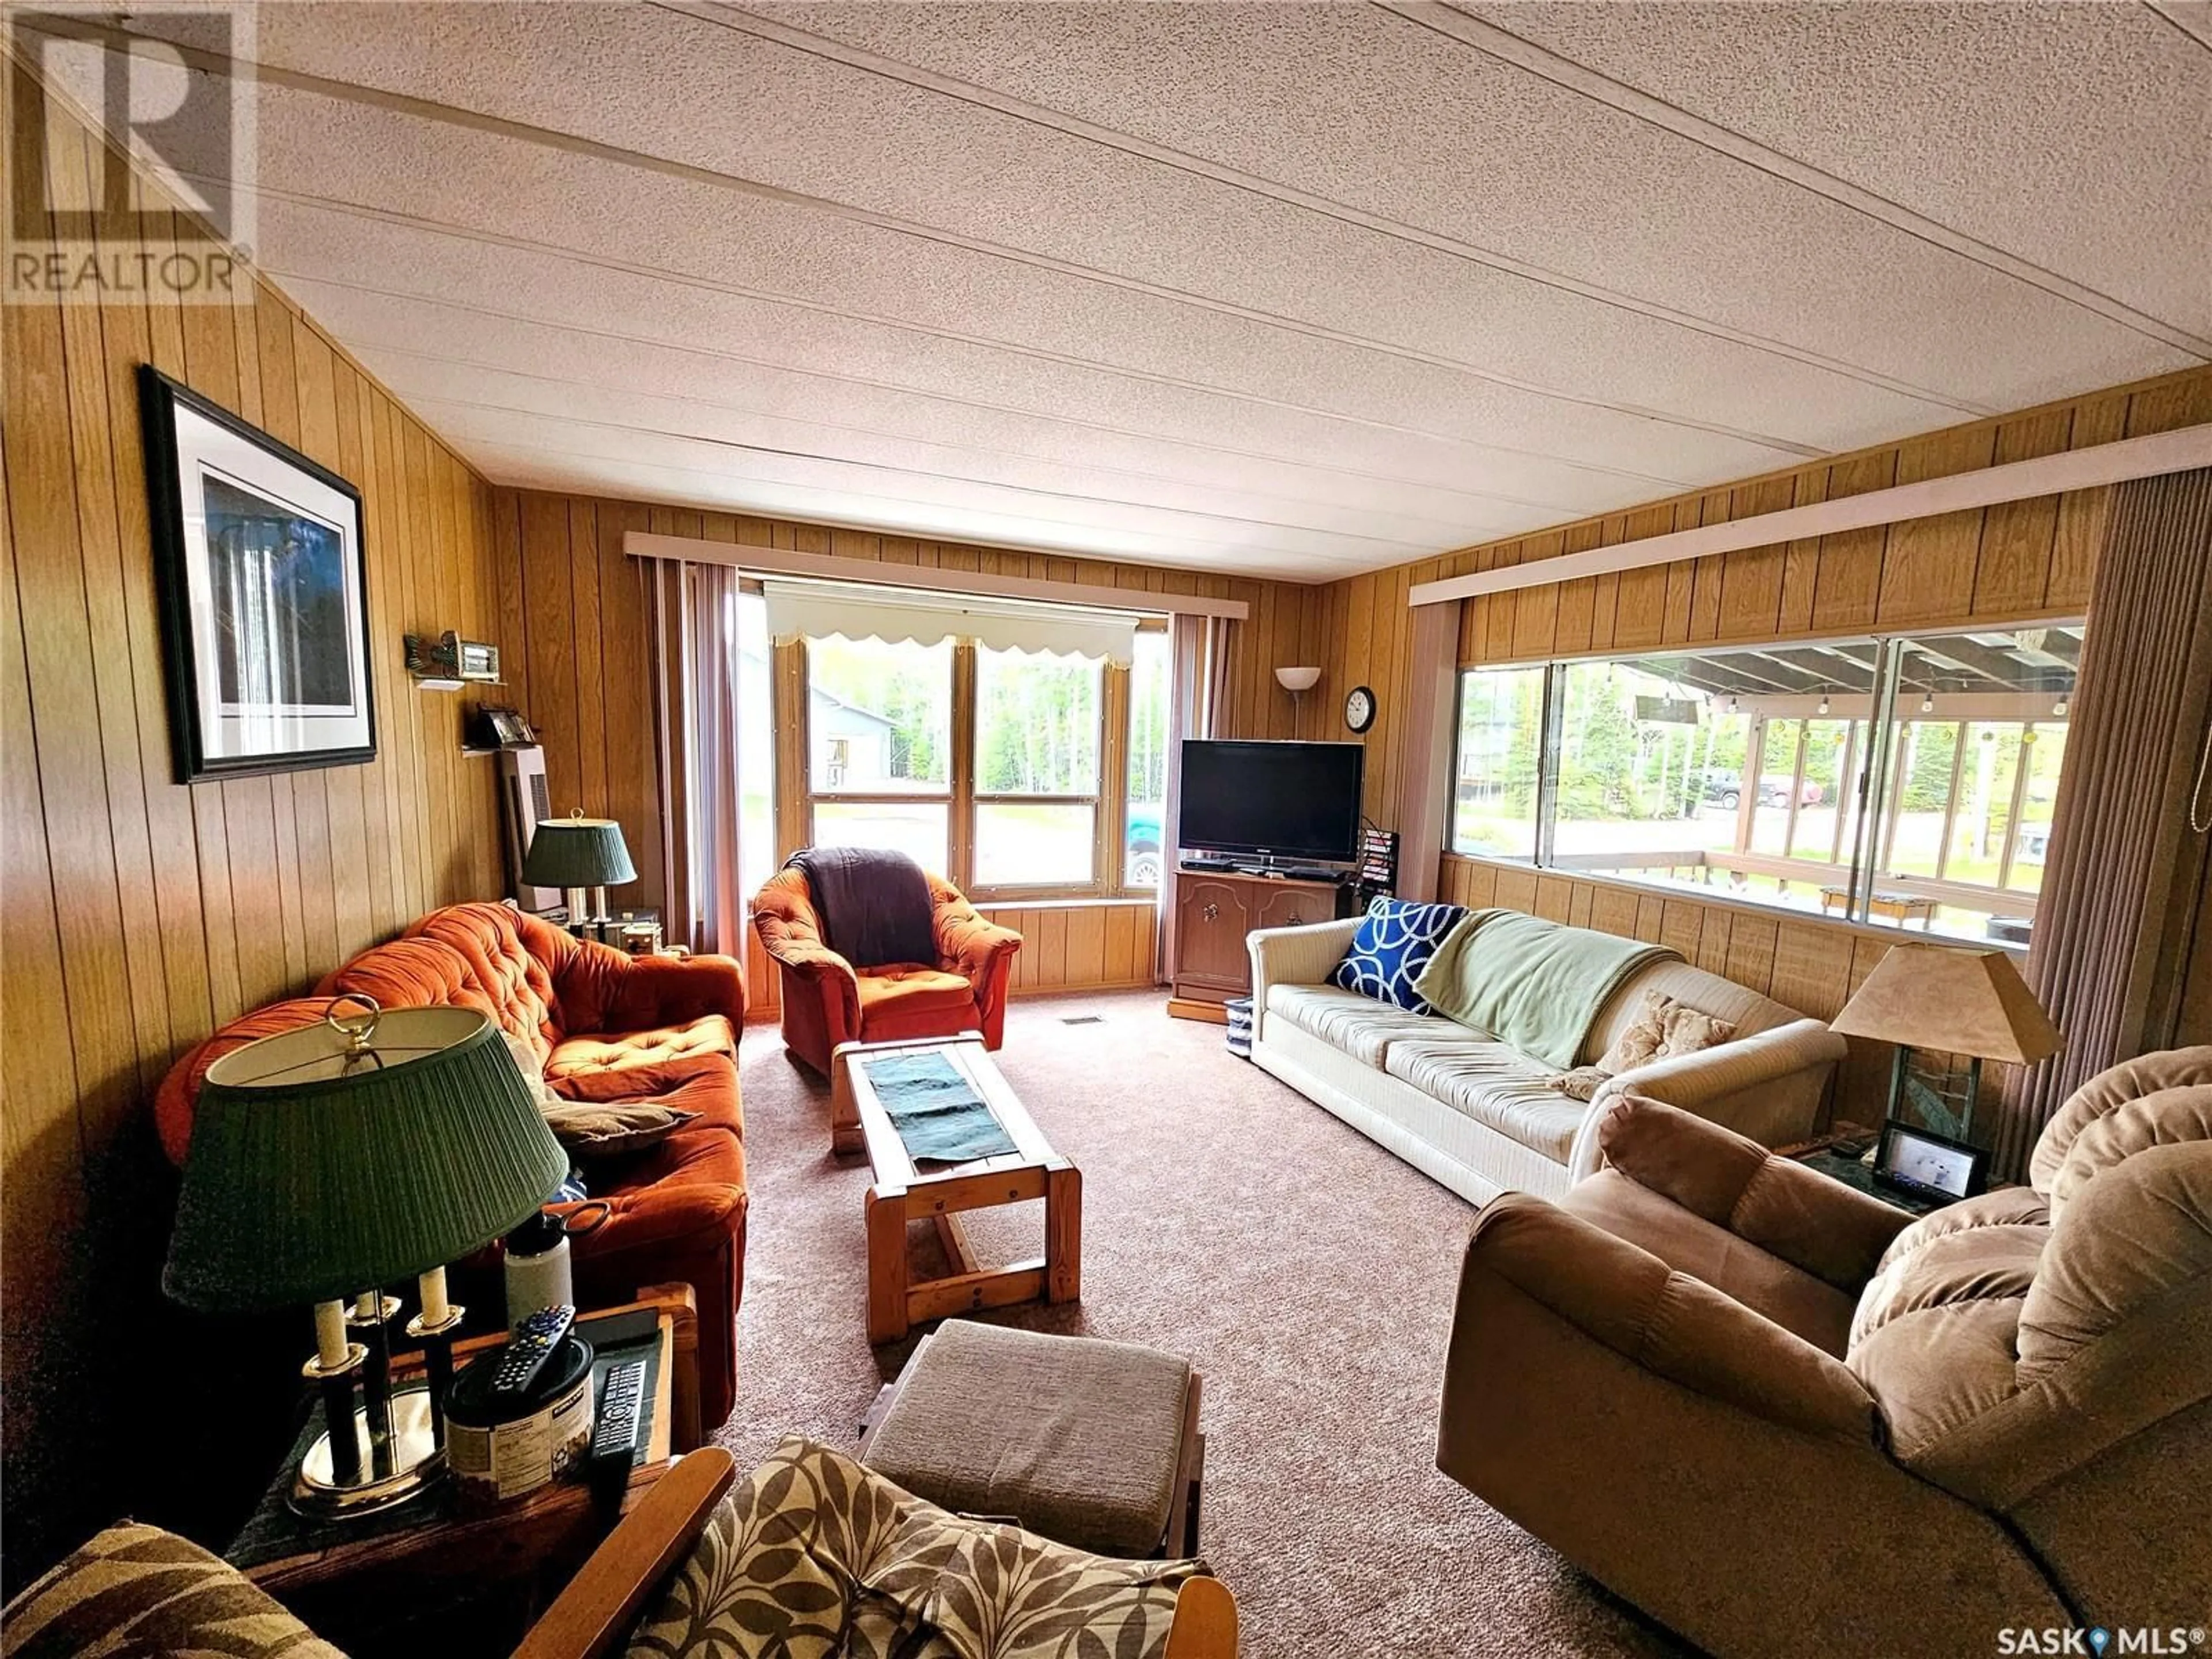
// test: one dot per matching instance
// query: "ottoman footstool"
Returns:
(1092, 1443)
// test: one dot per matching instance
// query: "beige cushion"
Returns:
(613, 1128)
(1663, 1030)
(1082, 1439)
(1361, 1026)
(1694, 987)
(1580, 1083)
(2131, 1080)
(2004, 1207)
(1640, 1043)
(137, 1589)
(1497, 1086)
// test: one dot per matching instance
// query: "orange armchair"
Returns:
(828, 1001)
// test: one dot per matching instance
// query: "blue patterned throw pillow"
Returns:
(1396, 940)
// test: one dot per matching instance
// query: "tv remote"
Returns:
(618, 1426)
(529, 1346)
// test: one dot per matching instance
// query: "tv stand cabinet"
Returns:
(1214, 910)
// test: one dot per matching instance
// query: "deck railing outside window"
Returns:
(1900, 780)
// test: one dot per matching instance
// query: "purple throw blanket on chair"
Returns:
(875, 906)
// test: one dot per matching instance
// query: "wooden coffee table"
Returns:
(902, 1192)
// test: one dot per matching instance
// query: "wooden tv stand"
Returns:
(1214, 910)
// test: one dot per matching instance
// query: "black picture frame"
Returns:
(211, 720)
(1926, 1165)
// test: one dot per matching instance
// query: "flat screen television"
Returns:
(1279, 800)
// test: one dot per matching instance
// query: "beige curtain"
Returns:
(2123, 885)
(1196, 677)
(696, 725)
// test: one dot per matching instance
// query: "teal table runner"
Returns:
(936, 1112)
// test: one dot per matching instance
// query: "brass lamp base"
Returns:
(410, 1464)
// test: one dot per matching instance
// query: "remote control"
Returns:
(618, 1426)
(529, 1346)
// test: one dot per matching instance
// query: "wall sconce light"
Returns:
(1927, 702)
(1298, 681)
(2058, 709)
(1823, 709)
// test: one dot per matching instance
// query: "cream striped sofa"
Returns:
(1475, 1114)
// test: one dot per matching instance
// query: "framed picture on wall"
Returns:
(258, 559)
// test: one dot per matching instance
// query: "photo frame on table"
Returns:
(262, 573)
(1925, 1165)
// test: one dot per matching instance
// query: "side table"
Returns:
(390, 1583)
(1823, 1155)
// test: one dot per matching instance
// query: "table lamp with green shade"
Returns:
(329, 1161)
(575, 853)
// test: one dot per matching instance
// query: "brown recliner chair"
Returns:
(1770, 1412)
(828, 1001)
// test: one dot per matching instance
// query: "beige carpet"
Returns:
(1307, 1273)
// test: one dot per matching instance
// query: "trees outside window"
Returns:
(1014, 773)
(1752, 770)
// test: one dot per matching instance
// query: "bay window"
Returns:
(1015, 772)
(1899, 781)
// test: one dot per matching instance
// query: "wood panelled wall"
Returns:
(140, 913)
(2013, 562)
(574, 626)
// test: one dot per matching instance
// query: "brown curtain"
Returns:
(2123, 885)
(694, 672)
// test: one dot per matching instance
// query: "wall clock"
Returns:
(1359, 709)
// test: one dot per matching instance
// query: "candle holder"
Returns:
(405, 1453)
(436, 1336)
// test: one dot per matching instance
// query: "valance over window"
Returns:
(801, 610)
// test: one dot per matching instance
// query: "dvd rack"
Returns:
(1376, 875)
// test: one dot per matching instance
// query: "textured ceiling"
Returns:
(1296, 290)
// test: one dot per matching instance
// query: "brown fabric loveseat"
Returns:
(1764, 1408)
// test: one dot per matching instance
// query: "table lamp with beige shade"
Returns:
(1956, 1000)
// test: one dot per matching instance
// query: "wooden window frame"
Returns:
(795, 804)
(1869, 804)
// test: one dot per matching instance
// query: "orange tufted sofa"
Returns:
(828, 1001)
(607, 1026)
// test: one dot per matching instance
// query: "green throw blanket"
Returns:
(1534, 984)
